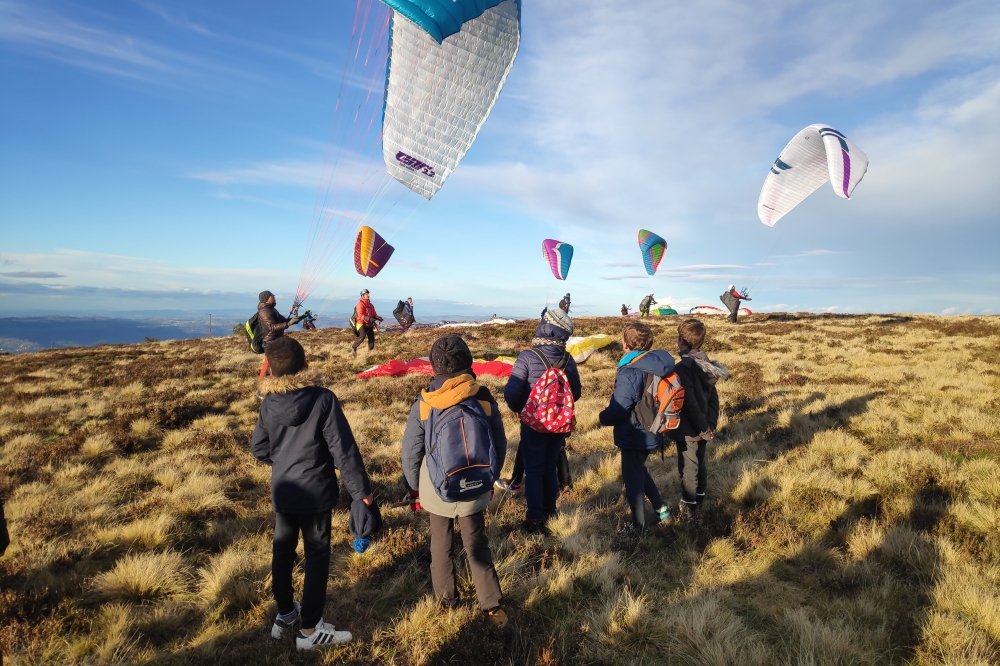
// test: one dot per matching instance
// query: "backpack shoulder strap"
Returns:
(636, 358)
(541, 357)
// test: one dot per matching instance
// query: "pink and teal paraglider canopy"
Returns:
(559, 255)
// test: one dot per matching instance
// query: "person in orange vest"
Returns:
(366, 322)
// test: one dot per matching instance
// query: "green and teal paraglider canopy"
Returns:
(653, 249)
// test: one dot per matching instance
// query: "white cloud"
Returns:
(949, 311)
(295, 173)
(674, 118)
(97, 270)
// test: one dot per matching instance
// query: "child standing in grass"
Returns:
(699, 415)
(635, 442)
(453, 448)
(541, 451)
(303, 435)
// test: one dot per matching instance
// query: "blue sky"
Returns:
(158, 156)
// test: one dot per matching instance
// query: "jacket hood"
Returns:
(289, 383)
(656, 362)
(451, 392)
(284, 400)
(551, 333)
(714, 370)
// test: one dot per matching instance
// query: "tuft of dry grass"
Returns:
(853, 510)
(141, 576)
(235, 578)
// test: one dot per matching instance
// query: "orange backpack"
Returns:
(659, 409)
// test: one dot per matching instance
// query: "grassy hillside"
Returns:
(852, 516)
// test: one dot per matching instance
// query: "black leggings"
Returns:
(315, 528)
(639, 485)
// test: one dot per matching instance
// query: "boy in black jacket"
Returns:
(303, 435)
(699, 415)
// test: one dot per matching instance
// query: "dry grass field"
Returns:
(853, 513)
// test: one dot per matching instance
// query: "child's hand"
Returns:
(368, 500)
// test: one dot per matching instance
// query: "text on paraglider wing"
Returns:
(413, 164)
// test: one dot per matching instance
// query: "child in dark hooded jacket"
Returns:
(453, 383)
(635, 442)
(542, 451)
(699, 415)
(303, 435)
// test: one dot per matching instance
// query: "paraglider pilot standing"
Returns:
(732, 300)
(366, 322)
(274, 323)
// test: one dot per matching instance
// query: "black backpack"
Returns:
(255, 333)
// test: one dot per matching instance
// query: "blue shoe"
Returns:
(664, 514)
(631, 530)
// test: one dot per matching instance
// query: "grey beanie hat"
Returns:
(557, 317)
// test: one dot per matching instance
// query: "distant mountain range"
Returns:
(48, 330)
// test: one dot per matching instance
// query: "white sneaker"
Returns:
(324, 636)
(281, 628)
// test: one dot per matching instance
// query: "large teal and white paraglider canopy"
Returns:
(448, 60)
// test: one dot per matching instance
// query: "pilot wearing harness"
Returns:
(732, 300)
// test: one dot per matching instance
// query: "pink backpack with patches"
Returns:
(550, 403)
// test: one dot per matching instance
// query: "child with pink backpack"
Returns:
(543, 388)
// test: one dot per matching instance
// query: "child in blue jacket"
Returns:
(636, 442)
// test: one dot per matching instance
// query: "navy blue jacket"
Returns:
(529, 368)
(303, 435)
(629, 384)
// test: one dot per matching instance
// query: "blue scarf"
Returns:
(629, 357)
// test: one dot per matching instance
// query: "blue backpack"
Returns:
(461, 456)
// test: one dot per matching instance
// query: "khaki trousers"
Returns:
(477, 549)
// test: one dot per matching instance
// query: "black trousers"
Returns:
(639, 485)
(315, 528)
(565, 479)
(477, 550)
(365, 332)
(692, 470)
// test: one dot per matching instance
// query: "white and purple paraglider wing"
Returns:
(448, 62)
(845, 160)
(816, 154)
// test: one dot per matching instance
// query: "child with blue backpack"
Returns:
(453, 450)
(640, 363)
